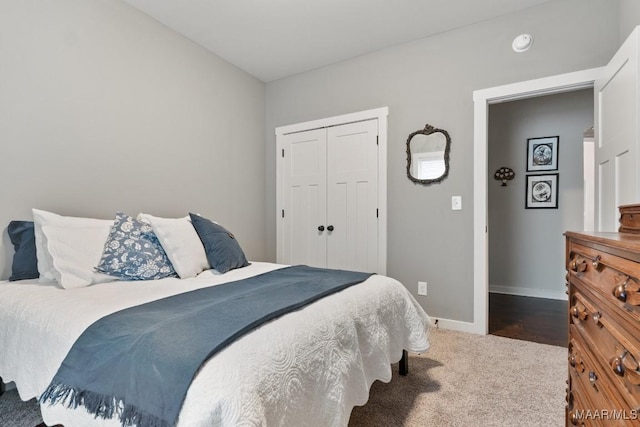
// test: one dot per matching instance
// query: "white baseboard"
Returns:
(473, 328)
(528, 292)
(455, 325)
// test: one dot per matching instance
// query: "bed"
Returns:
(310, 366)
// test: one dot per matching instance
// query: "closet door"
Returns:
(617, 131)
(304, 187)
(352, 188)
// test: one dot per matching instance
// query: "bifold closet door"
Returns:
(304, 178)
(352, 196)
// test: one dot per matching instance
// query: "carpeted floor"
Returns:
(472, 380)
(463, 380)
(16, 413)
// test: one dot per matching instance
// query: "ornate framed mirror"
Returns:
(428, 155)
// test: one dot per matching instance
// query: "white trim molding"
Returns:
(377, 113)
(453, 325)
(482, 99)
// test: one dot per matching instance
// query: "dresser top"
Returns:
(619, 240)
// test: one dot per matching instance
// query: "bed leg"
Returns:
(404, 363)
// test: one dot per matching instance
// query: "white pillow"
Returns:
(75, 251)
(68, 248)
(181, 243)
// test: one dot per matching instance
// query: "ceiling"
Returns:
(271, 39)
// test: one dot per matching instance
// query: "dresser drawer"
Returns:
(577, 411)
(616, 352)
(588, 379)
(613, 277)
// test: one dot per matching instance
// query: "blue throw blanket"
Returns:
(138, 363)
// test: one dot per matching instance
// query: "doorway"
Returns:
(482, 99)
(526, 246)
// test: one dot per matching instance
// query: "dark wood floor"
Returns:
(526, 318)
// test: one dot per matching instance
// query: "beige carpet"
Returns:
(472, 380)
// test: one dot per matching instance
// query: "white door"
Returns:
(304, 185)
(352, 187)
(330, 197)
(617, 132)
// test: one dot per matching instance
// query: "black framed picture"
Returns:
(542, 153)
(542, 191)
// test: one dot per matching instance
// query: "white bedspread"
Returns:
(307, 368)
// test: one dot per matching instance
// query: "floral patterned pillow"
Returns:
(133, 252)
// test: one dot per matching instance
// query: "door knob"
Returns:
(321, 228)
(330, 228)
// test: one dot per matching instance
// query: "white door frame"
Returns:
(482, 99)
(589, 173)
(377, 113)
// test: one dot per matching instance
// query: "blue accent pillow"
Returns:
(223, 250)
(133, 252)
(25, 261)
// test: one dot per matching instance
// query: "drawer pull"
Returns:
(596, 317)
(577, 364)
(620, 291)
(628, 291)
(617, 365)
(624, 362)
(579, 311)
(592, 378)
(574, 358)
(573, 418)
(574, 311)
(578, 265)
(581, 266)
(596, 262)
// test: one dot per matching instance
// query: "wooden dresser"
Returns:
(604, 329)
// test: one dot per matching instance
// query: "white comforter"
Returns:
(309, 367)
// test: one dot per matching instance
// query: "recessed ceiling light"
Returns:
(522, 43)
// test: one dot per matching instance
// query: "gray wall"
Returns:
(102, 109)
(526, 246)
(629, 17)
(432, 81)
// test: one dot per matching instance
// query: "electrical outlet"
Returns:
(456, 203)
(422, 288)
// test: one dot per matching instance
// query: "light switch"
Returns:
(422, 288)
(456, 203)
